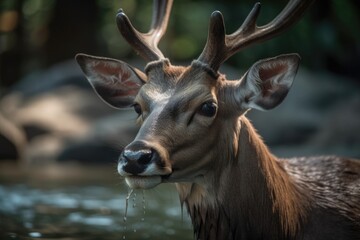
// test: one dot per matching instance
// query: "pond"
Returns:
(75, 202)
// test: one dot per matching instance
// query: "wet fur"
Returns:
(257, 196)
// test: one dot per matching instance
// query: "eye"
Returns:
(137, 108)
(208, 109)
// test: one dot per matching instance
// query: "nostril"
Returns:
(142, 156)
(145, 157)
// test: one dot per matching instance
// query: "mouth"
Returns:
(143, 182)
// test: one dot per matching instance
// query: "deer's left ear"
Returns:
(268, 81)
(116, 82)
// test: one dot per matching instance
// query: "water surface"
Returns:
(85, 204)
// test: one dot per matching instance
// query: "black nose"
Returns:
(142, 156)
(135, 159)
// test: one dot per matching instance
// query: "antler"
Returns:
(145, 44)
(219, 46)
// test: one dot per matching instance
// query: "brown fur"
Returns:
(194, 133)
(288, 199)
(231, 184)
(245, 192)
(254, 197)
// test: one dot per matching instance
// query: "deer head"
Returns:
(188, 115)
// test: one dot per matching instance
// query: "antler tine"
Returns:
(219, 47)
(146, 44)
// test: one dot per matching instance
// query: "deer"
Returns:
(193, 131)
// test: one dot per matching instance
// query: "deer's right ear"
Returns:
(116, 82)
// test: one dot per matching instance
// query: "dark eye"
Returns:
(137, 108)
(208, 109)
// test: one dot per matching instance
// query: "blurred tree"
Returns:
(35, 34)
(12, 47)
(72, 29)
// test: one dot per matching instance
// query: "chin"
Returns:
(143, 182)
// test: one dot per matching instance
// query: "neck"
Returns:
(250, 196)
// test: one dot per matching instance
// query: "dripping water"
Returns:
(127, 203)
(132, 195)
(126, 210)
(143, 206)
(134, 205)
(134, 200)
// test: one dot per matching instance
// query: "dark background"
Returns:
(44, 94)
(36, 34)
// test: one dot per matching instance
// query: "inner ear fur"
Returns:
(116, 82)
(268, 81)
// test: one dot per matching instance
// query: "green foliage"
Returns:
(316, 37)
(327, 33)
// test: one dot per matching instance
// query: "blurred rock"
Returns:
(319, 116)
(105, 141)
(56, 112)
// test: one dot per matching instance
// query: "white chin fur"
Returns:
(142, 182)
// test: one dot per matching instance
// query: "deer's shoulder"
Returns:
(327, 170)
(332, 182)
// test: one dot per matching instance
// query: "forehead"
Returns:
(165, 80)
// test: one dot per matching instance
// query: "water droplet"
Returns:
(143, 204)
(134, 200)
(134, 230)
